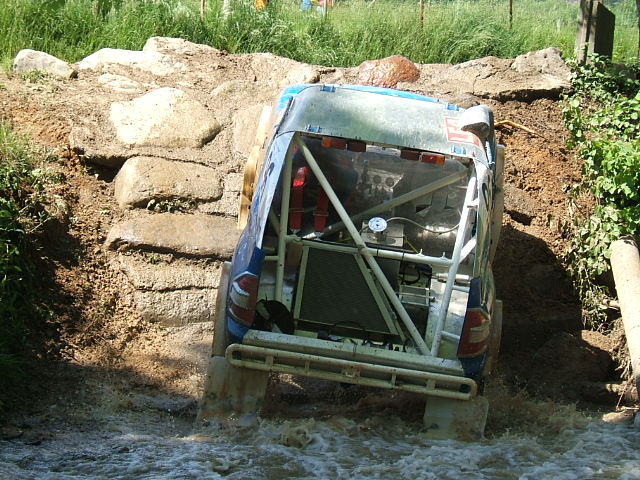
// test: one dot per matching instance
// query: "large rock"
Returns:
(548, 62)
(149, 61)
(541, 74)
(178, 46)
(166, 117)
(142, 179)
(169, 290)
(191, 235)
(119, 83)
(150, 273)
(178, 307)
(387, 72)
(33, 60)
(230, 201)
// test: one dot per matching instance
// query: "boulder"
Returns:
(119, 83)
(178, 307)
(166, 117)
(387, 72)
(148, 273)
(178, 46)
(301, 73)
(150, 61)
(142, 179)
(83, 140)
(33, 60)
(540, 74)
(230, 201)
(181, 234)
(548, 62)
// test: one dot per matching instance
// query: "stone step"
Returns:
(194, 235)
(143, 179)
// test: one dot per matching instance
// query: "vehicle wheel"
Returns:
(493, 350)
(253, 166)
(220, 338)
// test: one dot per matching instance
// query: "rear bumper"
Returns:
(350, 363)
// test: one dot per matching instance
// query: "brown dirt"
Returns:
(97, 334)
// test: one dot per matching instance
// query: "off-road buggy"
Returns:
(370, 218)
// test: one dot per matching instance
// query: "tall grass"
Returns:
(356, 30)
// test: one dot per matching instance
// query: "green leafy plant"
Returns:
(22, 216)
(602, 116)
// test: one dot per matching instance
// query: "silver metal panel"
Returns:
(374, 118)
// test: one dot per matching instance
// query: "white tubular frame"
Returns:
(470, 204)
(362, 247)
(349, 371)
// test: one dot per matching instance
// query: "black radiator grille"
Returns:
(335, 293)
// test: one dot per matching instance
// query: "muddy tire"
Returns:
(493, 350)
(220, 337)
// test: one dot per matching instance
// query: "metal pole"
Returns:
(469, 205)
(284, 222)
(362, 247)
(510, 14)
(421, 13)
(202, 9)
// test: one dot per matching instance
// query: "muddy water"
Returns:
(159, 446)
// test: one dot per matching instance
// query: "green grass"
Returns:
(23, 176)
(354, 31)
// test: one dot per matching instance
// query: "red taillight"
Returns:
(424, 157)
(356, 146)
(433, 158)
(242, 297)
(338, 143)
(409, 154)
(475, 333)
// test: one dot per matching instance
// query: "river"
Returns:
(546, 442)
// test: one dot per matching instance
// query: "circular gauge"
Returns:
(377, 179)
(389, 181)
(377, 224)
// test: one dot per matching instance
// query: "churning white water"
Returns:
(336, 448)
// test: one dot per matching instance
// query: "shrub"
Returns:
(22, 215)
(602, 116)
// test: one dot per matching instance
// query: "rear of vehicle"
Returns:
(366, 254)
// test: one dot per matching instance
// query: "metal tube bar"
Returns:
(275, 223)
(407, 197)
(469, 205)
(284, 222)
(363, 250)
(376, 252)
(260, 358)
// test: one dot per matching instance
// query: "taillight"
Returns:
(477, 324)
(475, 333)
(424, 157)
(342, 144)
(242, 297)
(432, 158)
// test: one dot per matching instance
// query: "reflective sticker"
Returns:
(454, 134)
